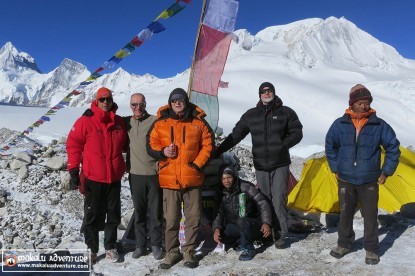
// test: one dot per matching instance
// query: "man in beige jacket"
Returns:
(145, 190)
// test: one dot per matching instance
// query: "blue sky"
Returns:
(92, 31)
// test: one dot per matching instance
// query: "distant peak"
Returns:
(69, 64)
(12, 58)
(244, 39)
(8, 47)
(66, 61)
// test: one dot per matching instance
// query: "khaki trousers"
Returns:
(192, 203)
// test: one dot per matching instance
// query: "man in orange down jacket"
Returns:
(97, 142)
(182, 141)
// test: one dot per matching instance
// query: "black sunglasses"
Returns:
(175, 101)
(109, 100)
(138, 104)
(268, 90)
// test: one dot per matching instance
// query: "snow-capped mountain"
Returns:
(59, 82)
(12, 59)
(24, 84)
(336, 42)
(313, 63)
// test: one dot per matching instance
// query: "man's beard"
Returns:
(268, 100)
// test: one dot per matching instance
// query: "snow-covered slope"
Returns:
(313, 63)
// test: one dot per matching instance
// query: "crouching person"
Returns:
(243, 215)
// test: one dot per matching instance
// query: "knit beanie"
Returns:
(178, 94)
(266, 84)
(359, 92)
(229, 170)
(103, 92)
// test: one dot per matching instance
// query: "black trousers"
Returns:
(245, 230)
(147, 195)
(102, 211)
(367, 196)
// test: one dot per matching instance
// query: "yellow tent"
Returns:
(317, 189)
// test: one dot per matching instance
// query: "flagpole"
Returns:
(189, 88)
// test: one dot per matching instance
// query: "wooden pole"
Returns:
(202, 16)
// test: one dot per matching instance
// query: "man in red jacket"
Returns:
(97, 142)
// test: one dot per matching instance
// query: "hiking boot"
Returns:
(190, 259)
(171, 259)
(371, 258)
(339, 252)
(280, 243)
(93, 257)
(238, 248)
(158, 252)
(112, 255)
(138, 252)
(247, 254)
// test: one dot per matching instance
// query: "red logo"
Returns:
(10, 260)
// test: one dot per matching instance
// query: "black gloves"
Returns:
(193, 165)
(75, 181)
(88, 113)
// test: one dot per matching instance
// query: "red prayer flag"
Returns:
(210, 58)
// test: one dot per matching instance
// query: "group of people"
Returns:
(166, 154)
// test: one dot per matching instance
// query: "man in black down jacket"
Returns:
(230, 224)
(274, 130)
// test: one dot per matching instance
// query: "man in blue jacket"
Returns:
(353, 149)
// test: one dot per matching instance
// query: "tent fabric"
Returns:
(317, 189)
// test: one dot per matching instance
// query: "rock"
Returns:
(53, 243)
(3, 164)
(49, 153)
(65, 177)
(125, 219)
(56, 218)
(23, 172)
(54, 198)
(56, 163)
(2, 202)
(18, 242)
(22, 156)
(17, 164)
(62, 140)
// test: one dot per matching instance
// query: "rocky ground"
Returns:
(38, 211)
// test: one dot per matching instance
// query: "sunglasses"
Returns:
(138, 104)
(267, 90)
(177, 101)
(108, 100)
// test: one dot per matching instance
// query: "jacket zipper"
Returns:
(355, 145)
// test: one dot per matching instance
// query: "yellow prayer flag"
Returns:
(164, 15)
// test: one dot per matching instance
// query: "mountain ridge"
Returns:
(310, 43)
(313, 63)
